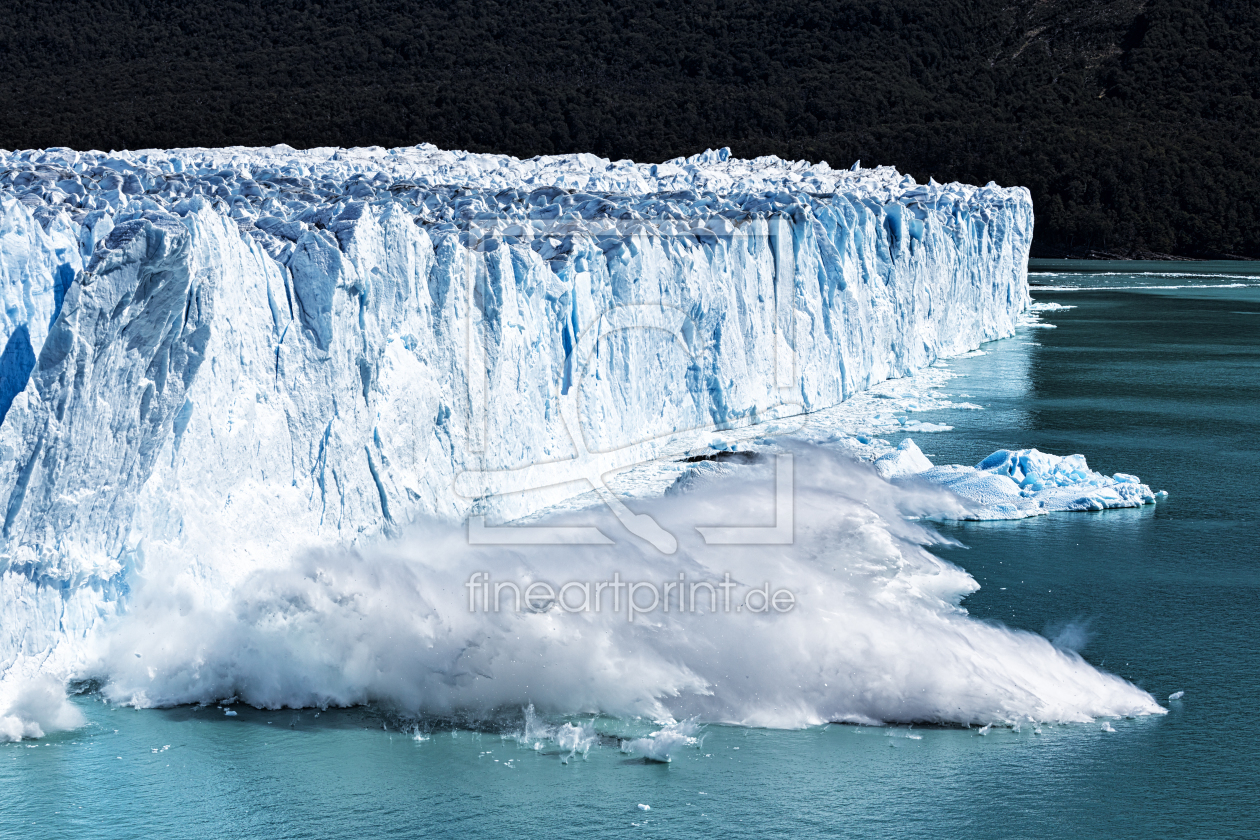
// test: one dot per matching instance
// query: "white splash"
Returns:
(664, 743)
(876, 633)
(36, 708)
(569, 738)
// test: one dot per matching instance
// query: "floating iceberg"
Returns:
(1012, 484)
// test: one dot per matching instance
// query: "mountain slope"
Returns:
(1133, 123)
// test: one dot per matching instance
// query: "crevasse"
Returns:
(214, 358)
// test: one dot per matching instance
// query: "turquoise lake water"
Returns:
(1155, 372)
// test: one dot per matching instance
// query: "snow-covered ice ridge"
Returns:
(213, 358)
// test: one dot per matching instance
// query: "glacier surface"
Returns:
(217, 359)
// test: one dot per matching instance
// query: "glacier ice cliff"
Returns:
(215, 358)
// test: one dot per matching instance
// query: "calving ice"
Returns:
(236, 375)
(875, 634)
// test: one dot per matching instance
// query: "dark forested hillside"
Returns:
(1136, 123)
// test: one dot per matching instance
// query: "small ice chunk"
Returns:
(1176, 695)
(229, 713)
(906, 459)
(643, 807)
(1107, 727)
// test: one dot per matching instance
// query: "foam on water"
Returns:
(1103, 288)
(1094, 276)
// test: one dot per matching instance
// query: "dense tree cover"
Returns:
(1135, 123)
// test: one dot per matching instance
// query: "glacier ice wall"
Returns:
(216, 358)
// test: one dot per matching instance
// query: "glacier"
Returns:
(215, 358)
(221, 365)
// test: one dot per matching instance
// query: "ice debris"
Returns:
(1012, 484)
